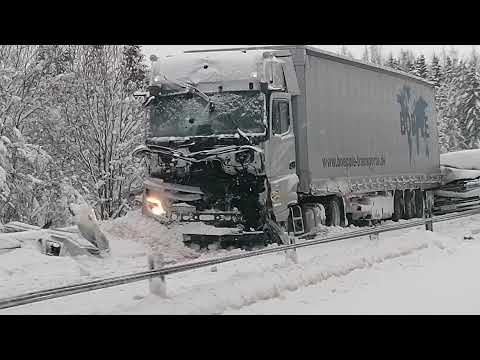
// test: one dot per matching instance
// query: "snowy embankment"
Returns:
(238, 284)
(460, 165)
(243, 289)
(465, 159)
(434, 281)
(131, 239)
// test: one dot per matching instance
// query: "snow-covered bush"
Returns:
(68, 123)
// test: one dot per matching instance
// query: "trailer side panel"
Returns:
(366, 130)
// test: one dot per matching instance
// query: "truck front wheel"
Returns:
(334, 212)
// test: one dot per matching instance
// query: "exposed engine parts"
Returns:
(222, 185)
(233, 160)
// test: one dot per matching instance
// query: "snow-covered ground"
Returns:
(418, 283)
(408, 271)
(435, 280)
(131, 239)
(465, 159)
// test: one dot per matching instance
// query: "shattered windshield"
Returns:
(183, 115)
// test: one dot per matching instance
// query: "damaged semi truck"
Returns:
(277, 140)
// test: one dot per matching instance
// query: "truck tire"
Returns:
(334, 212)
(419, 204)
(429, 199)
(409, 204)
(398, 205)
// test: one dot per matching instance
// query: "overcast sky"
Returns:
(427, 50)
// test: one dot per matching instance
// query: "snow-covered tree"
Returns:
(26, 169)
(376, 54)
(420, 67)
(365, 54)
(103, 123)
(392, 62)
(134, 67)
(470, 123)
(345, 52)
(448, 118)
(435, 72)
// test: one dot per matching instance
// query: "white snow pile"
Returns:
(26, 269)
(155, 236)
(465, 159)
(243, 289)
(167, 239)
(460, 165)
(131, 239)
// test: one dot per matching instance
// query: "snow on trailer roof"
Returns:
(311, 50)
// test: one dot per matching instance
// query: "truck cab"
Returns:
(220, 139)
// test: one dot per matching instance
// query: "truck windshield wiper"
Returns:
(243, 135)
(191, 88)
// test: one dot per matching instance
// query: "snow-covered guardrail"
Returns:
(160, 273)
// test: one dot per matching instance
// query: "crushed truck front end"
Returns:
(207, 125)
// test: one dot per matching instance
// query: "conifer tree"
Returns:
(420, 67)
(471, 107)
(392, 62)
(365, 54)
(345, 52)
(376, 55)
(435, 72)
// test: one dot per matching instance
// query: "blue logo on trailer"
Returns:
(414, 122)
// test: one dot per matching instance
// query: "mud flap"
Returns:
(282, 238)
(278, 235)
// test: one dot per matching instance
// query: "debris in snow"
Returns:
(88, 226)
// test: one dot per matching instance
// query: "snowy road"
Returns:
(408, 271)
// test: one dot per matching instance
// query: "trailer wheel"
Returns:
(409, 204)
(334, 212)
(398, 205)
(419, 204)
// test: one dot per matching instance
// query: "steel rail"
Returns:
(67, 290)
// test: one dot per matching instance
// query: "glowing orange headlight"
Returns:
(155, 206)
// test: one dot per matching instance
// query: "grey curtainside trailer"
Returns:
(287, 137)
(362, 127)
